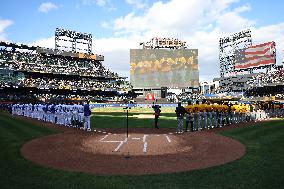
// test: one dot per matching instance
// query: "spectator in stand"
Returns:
(30, 61)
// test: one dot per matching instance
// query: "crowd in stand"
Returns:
(59, 83)
(270, 78)
(35, 62)
(77, 97)
(183, 97)
(18, 97)
(266, 84)
(63, 98)
(26, 68)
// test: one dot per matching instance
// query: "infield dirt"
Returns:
(166, 152)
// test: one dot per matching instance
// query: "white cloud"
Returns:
(271, 33)
(47, 6)
(116, 52)
(4, 23)
(175, 17)
(200, 24)
(105, 25)
(101, 3)
(233, 22)
(44, 42)
(243, 8)
(139, 4)
(107, 4)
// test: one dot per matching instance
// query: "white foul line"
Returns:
(145, 147)
(144, 138)
(103, 138)
(145, 143)
(168, 138)
(136, 138)
(121, 143)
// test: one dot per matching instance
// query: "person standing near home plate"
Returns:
(180, 111)
(157, 112)
(87, 115)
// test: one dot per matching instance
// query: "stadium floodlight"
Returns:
(163, 43)
(283, 57)
(68, 40)
(227, 48)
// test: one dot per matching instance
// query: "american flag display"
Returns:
(255, 56)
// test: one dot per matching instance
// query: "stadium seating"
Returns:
(23, 67)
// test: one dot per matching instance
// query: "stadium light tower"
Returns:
(67, 40)
(163, 43)
(283, 57)
(227, 48)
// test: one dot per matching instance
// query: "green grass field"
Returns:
(261, 167)
(116, 118)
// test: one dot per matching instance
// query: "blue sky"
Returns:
(118, 25)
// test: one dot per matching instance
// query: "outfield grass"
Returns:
(133, 110)
(116, 118)
(261, 167)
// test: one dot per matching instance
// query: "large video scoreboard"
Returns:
(155, 68)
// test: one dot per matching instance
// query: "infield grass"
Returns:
(261, 167)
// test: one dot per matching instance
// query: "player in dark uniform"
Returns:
(157, 112)
(180, 111)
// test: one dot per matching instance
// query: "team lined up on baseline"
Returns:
(207, 116)
(66, 115)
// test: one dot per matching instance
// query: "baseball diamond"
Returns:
(106, 150)
(170, 94)
(154, 151)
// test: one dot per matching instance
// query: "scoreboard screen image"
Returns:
(154, 68)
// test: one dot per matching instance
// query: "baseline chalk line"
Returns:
(136, 138)
(145, 147)
(121, 143)
(168, 138)
(144, 138)
(103, 138)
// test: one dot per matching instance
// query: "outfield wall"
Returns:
(105, 105)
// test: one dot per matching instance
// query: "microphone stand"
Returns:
(127, 126)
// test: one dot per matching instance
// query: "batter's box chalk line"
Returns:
(109, 133)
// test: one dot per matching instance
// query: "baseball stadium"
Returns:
(67, 120)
